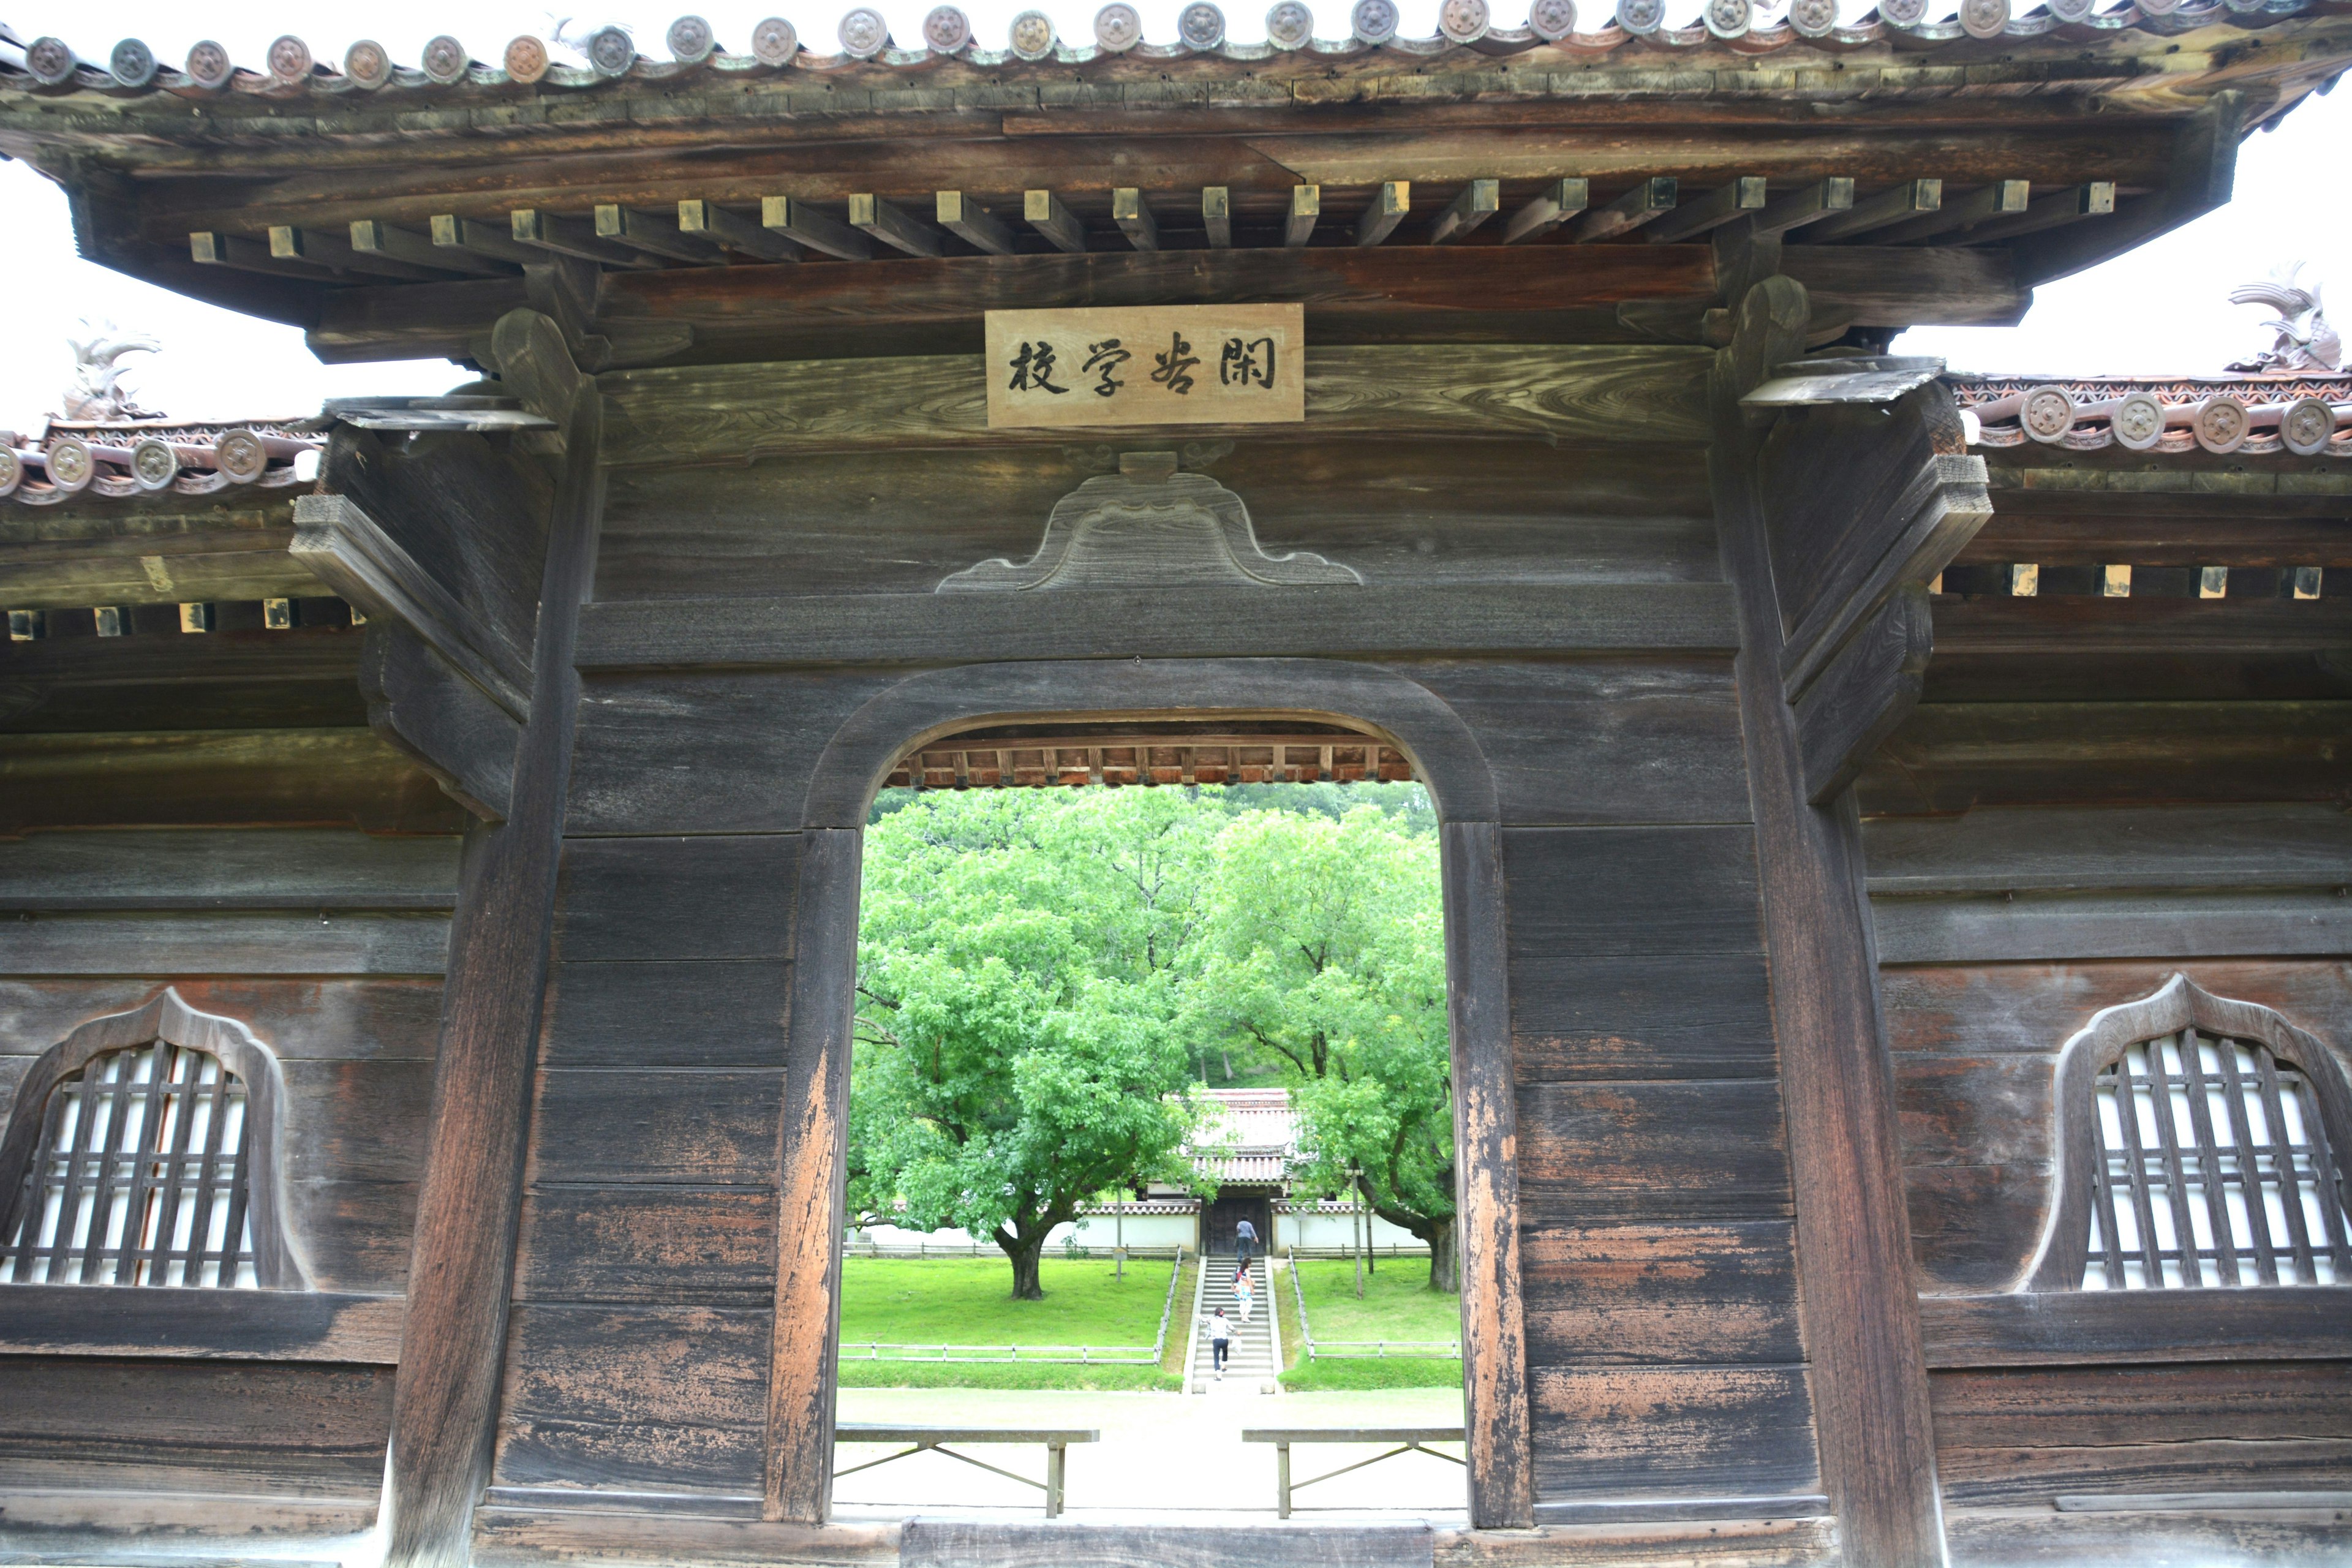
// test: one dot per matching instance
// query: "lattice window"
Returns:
(2197, 1143)
(143, 1150)
(139, 1177)
(2215, 1169)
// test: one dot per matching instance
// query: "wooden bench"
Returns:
(1407, 1440)
(1058, 1441)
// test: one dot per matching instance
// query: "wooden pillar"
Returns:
(811, 1166)
(1854, 1253)
(445, 1402)
(1487, 1205)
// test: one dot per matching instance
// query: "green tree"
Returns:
(1325, 948)
(1021, 960)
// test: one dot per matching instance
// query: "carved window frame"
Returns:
(170, 1020)
(2181, 1004)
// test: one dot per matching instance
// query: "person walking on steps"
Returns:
(1245, 1239)
(1245, 1289)
(1221, 1339)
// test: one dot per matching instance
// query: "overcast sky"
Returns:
(2161, 309)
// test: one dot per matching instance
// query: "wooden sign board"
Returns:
(1152, 365)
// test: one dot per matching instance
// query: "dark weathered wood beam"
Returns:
(323, 250)
(564, 236)
(895, 227)
(1044, 211)
(653, 234)
(920, 628)
(445, 1404)
(1644, 202)
(1868, 689)
(1883, 210)
(973, 223)
(707, 221)
(1130, 210)
(1384, 211)
(2097, 199)
(209, 247)
(1822, 199)
(1306, 208)
(804, 225)
(2089, 626)
(2200, 175)
(418, 702)
(797, 1476)
(1713, 210)
(1496, 1405)
(350, 554)
(1545, 211)
(1860, 1314)
(1570, 394)
(374, 238)
(1887, 285)
(451, 232)
(2002, 198)
(1217, 216)
(1478, 202)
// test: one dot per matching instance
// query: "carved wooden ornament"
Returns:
(1177, 365)
(1149, 526)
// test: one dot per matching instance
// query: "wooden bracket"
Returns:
(1868, 687)
(418, 701)
(348, 552)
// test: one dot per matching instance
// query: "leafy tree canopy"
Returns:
(1038, 970)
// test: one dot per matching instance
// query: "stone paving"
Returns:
(1159, 1453)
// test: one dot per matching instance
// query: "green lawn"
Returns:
(969, 1302)
(1397, 1304)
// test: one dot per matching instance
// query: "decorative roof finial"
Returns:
(2305, 342)
(95, 394)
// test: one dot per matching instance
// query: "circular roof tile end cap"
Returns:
(239, 454)
(690, 41)
(1119, 28)
(526, 60)
(368, 64)
(864, 33)
(1727, 19)
(1201, 26)
(209, 66)
(1374, 22)
(445, 60)
(12, 471)
(2137, 420)
(70, 466)
(1464, 21)
(2307, 425)
(132, 63)
(290, 60)
(1813, 18)
(1903, 13)
(947, 30)
(1289, 24)
(153, 464)
(1031, 35)
(52, 62)
(2046, 413)
(2071, 10)
(2158, 7)
(774, 42)
(2221, 425)
(1641, 17)
(611, 52)
(1552, 20)
(1984, 18)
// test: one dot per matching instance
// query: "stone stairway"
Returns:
(1251, 1364)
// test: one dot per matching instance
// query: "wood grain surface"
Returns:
(696, 414)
